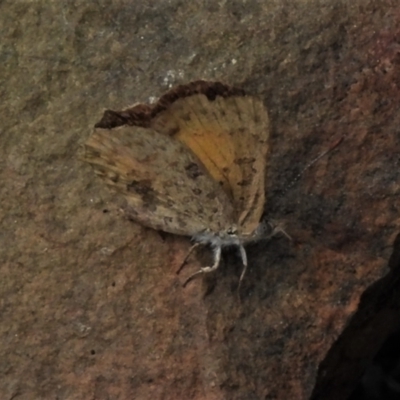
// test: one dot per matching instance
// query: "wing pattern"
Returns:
(165, 186)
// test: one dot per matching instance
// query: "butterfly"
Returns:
(191, 164)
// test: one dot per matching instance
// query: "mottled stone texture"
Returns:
(90, 305)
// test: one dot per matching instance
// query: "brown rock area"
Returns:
(90, 305)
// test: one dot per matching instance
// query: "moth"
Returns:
(191, 164)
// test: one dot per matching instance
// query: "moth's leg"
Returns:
(243, 256)
(277, 228)
(184, 262)
(206, 270)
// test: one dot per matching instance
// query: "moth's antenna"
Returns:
(310, 164)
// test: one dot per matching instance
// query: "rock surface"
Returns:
(90, 305)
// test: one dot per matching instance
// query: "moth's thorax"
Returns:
(232, 236)
(225, 238)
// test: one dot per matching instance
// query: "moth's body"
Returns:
(230, 238)
(193, 164)
(218, 239)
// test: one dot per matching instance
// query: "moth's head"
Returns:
(231, 231)
(266, 230)
(229, 236)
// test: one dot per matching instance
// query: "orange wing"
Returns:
(228, 132)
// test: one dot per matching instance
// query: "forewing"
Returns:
(166, 187)
(230, 137)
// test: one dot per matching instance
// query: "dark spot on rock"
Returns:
(92, 352)
(193, 170)
(105, 211)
